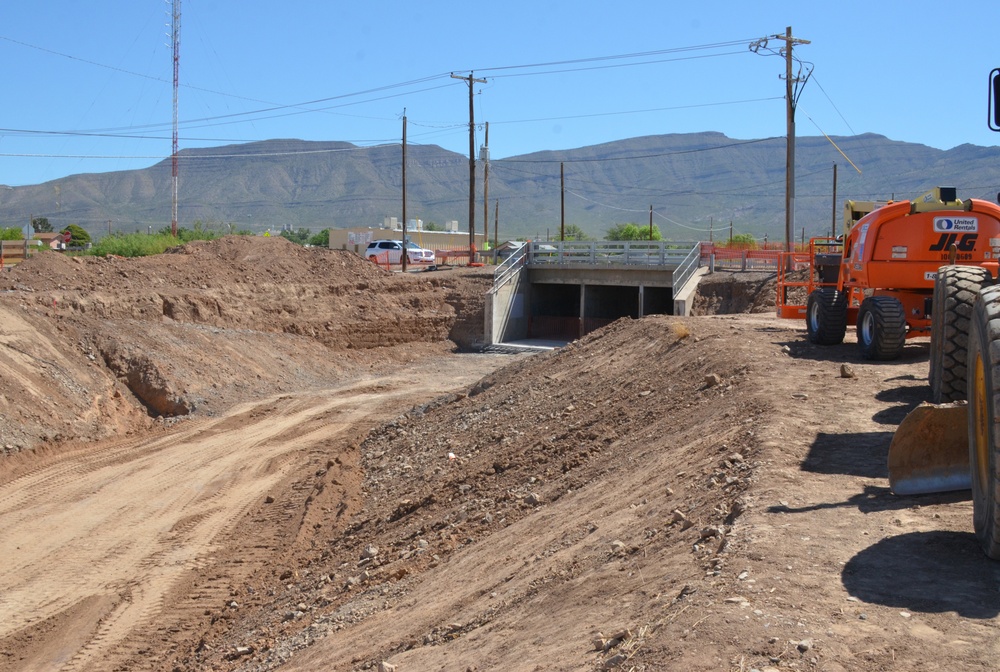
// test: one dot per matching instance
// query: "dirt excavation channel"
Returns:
(338, 487)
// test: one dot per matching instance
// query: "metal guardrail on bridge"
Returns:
(509, 268)
(684, 258)
(611, 253)
(687, 267)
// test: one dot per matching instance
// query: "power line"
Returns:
(640, 54)
(621, 209)
(306, 106)
(617, 65)
(186, 155)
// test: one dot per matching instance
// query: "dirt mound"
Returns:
(103, 345)
(234, 259)
(459, 488)
(728, 292)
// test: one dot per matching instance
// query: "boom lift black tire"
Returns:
(955, 291)
(984, 439)
(826, 316)
(881, 328)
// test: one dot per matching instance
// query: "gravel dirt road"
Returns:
(216, 463)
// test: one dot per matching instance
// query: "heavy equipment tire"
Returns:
(881, 328)
(826, 316)
(955, 290)
(984, 402)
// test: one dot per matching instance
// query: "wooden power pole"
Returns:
(472, 164)
(176, 39)
(790, 82)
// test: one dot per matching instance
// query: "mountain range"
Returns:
(694, 182)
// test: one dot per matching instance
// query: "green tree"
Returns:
(41, 225)
(632, 231)
(78, 236)
(321, 239)
(186, 235)
(13, 233)
(431, 226)
(300, 237)
(574, 232)
(743, 240)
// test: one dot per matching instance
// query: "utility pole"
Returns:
(404, 255)
(472, 165)
(176, 35)
(710, 222)
(790, 101)
(650, 223)
(484, 156)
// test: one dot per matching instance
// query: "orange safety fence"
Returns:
(462, 256)
(745, 258)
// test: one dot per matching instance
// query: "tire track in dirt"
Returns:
(81, 504)
(124, 523)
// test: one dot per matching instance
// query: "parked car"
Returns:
(394, 249)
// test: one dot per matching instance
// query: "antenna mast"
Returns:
(176, 34)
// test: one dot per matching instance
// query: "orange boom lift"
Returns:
(880, 275)
(901, 270)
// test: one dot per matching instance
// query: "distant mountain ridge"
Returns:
(693, 181)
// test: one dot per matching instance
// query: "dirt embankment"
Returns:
(728, 292)
(93, 347)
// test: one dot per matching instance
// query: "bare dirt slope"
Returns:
(668, 493)
(204, 327)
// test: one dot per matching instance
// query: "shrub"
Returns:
(134, 244)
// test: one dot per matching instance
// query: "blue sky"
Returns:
(88, 86)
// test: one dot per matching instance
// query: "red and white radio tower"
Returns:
(176, 31)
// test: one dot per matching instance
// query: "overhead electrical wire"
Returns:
(305, 107)
(621, 209)
(275, 110)
(616, 65)
(594, 59)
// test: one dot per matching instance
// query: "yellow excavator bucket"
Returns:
(930, 450)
